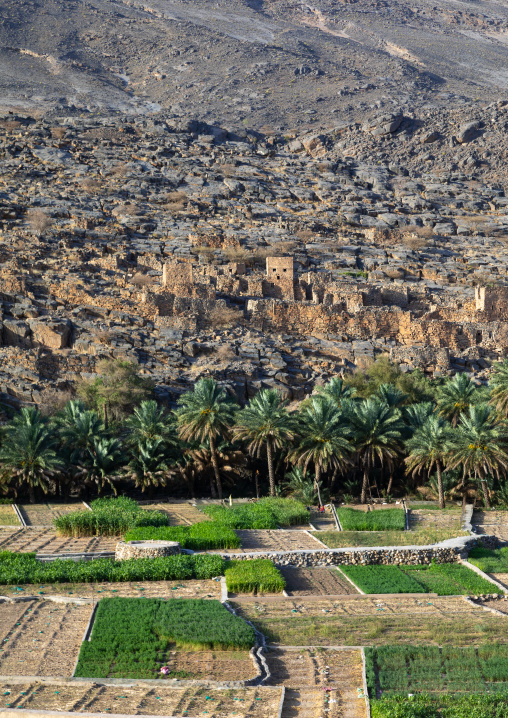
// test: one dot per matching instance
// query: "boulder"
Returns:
(50, 333)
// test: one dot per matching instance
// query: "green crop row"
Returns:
(202, 536)
(448, 579)
(131, 636)
(254, 576)
(21, 568)
(268, 513)
(447, 706)
(415, 669)
(490, 560)
(108, 517)
(378, 520)
(382, 579)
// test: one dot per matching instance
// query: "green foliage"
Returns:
(131, 636)
(447, 706)
(392, 670)
(20, 568)
(108, 517)
(268, 513)
(382, 371)
(445, 579)
(254, 576)
(382, 579)
(490, 560)
(202, 536)
(380, 520)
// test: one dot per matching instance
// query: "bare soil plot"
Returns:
(434, 621)
(312, 703)
(211, 665)
(41, 637)
(316, 581)
(98, 590)
(338, 672)
(502, 578)
(279, 540)
(180, 514)
(448, 520)
(491, 523)
(8, 516)
(43, 514)
(162, 700)
(46, 541)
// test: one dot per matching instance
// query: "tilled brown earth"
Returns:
(491, 523)
(430, 519)
(43, 514)
(179, 514)
(46, 541)
(161, 700)
(128, 589)
(316, 581)
(336, 674)
(41, 638)
(279, 540)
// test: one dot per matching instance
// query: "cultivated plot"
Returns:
(312, 703)
(179, 514)
(491, 523)
(41, 638)
(316, 581)
(43, 514)
(46, 541)
(129, 589)
(141, 699)
(277, 540)
(8, 516)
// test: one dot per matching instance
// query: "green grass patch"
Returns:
(445, 579)
(391, 670)
(419, 537)
(202, 536)
(490, 560)
(450, 579)
(254, 576)
(22, 568)
(268, 513)
(447, 706)
(382, 579)
(380, 520)
(108, 517)
(131, 636)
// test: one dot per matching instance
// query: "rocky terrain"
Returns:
(147, 239)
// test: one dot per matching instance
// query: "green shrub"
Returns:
(19, 569)
(490, 560)
(202, 536)
(131, 636)
(378, 520)
(254, 576)
(108, 517)
(268, 513)
(382, 579)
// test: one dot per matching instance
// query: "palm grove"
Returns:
(371, 433)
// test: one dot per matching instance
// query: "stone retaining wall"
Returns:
(351, 556)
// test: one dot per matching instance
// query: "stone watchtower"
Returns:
(280, 273)
(492, 302)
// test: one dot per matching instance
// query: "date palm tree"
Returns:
(416, 415)
(336, 390)
(321, 439)
(265, 423)
(499, 387)
(102, 462)
(148, 463)
(78, 427)
(28, 451)
(389, 394)
(478, 447)
(377, 433)
(455, 397)
(206, 414)
(429, 449)
(149, 421)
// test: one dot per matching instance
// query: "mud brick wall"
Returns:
(492, 303)
(280, 277)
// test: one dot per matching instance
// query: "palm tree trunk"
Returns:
(269, 458)
(440, 486)
(485, 489)
(316, 481)
(31, 493)
(365, 484)
(334, 478)
(390, 483)
(215, 465)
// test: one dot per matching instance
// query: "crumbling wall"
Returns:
(279, 278)
(492, 303)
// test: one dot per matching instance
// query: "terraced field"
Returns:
(179, 514)
(279, 540)
(316, 581)
(491, 523)
(46, 541)
(43, 514)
